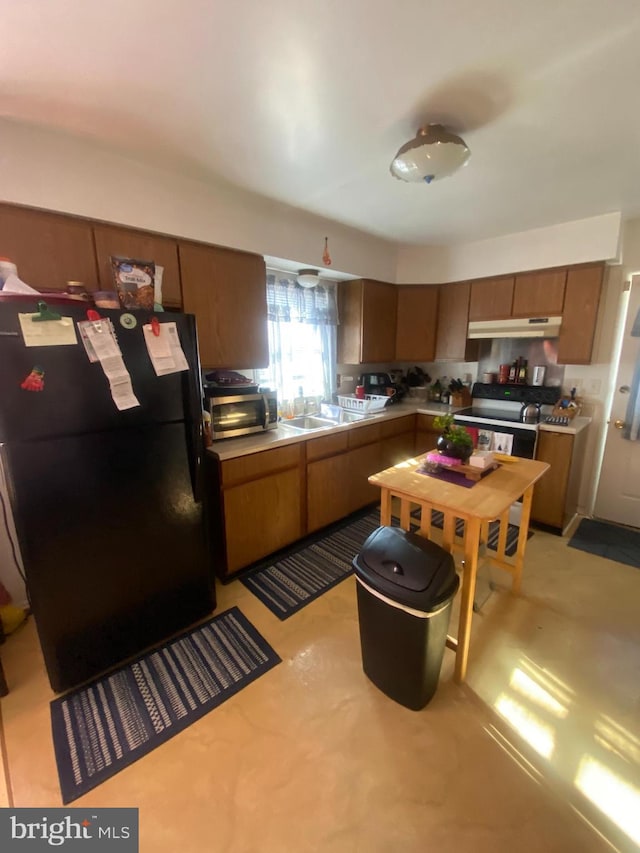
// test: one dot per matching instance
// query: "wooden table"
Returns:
(487, 500)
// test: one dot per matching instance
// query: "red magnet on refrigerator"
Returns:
(34, 381)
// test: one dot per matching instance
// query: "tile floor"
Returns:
(538, 751)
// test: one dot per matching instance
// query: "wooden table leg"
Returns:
(471, 547)
(385, 507)
(405, 514)
(522, 539)
(448, 531)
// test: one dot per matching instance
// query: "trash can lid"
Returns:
(407, 568)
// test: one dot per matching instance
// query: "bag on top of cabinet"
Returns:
(134, 281)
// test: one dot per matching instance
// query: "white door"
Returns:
(618, 497)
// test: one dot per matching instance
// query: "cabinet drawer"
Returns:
(257, 465)
(397, 426)
(328, 445)
(364, 435)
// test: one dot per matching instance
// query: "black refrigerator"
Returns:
(107, 504)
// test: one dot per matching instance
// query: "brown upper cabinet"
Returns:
(132, 243)
(49, 249)
(367, 330)
(416, 322)
(227, 291)
(491, 298)
(539, 294)
(581, 301)
(453, 320)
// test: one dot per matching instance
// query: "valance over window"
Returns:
(288, 302)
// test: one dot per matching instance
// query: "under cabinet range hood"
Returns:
(528, 327)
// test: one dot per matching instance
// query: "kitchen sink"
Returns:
(304, 423)
(354, 417)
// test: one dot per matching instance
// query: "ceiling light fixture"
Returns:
(434, 153)
(308, 278)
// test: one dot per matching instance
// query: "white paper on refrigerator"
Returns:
(165, 349)
(47, 333)
(101, 342)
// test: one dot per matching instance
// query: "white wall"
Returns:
(581, 241)
(57, 171)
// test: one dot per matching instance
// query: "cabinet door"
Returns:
(396, 449)
(416, 323)
(491, 298)
(49, 249)
(379, 322)
(361, 464)
(261, 517)
(226, 290)
(539, 294)
(327, 491)
(367, 330)
(131, 243)
(550, 492)
(581, 301)
(426, 434)
(453, 321)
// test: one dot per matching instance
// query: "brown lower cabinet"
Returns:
(264, 501)
(555, 497)
(426, 434)
(255, 506)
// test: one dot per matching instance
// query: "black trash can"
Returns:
(406, 585)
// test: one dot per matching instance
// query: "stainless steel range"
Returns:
(509, 414)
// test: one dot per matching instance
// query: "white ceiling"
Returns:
(307, 102)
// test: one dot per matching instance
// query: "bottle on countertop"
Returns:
(513, 371)
(522, 371)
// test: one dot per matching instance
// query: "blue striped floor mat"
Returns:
(294, 580)
(103, 727)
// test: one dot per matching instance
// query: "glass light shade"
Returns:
(433, 154)
(308, 278)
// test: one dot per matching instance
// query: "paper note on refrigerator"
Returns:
(47, 333)
(100, 343)
(165, 349)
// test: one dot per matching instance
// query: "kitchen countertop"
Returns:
(231, 448)
(575, 426)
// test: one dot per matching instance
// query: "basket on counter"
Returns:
(571, 409)
(370, 403)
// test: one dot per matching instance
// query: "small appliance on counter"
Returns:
(381, 384)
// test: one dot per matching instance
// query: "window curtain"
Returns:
(632, 417)
(302, 336)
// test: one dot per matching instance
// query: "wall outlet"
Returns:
(593, 386)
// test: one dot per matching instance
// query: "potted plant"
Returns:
(454, 440)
